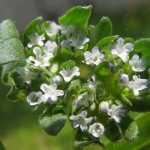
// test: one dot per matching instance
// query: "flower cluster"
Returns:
(64, 69)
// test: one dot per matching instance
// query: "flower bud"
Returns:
(104, 106)
(123, 79)
(57, 80)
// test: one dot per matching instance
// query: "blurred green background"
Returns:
(19, 129)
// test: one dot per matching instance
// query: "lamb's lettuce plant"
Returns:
(78, 72)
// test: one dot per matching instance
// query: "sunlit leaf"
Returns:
(11, 48)
(77, 16)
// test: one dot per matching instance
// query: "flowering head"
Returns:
(73, 72)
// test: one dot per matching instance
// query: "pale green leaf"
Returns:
(77, 16)
(11, 48)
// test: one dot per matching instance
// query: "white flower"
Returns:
(80, 120)
(36, 39)
(40, 60)
(137, 64)
(123, 79)
(68, 73)
(67, 30)
(34, 98)
(52, 30)
(122, 50)
(104, 106)
(117, 112)
(138, 84)
(50, 93)
(93, 58)
(27, 75)
(96, 129)
(57, 79)
(79, 42)
(51, 47)
(83, 99)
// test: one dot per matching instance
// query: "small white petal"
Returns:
(51, 47)
(121, 50)
(51, 93)
(96, 129)
(138, 84)
(117, 112)
(137, 64)
(104, 106)
(95, 57)
(78, 42)
(68, 73)
(80, 120)
(36, 39)
(52, 30)
(34, 98)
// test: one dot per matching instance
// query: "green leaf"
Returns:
(106, 42)
(8, 30)
(143, 46)
(11, 48)
(66, 54)
(77, 16)
(7, 73)
(112, 132)
(141, 104)
(142, 142)
(132, 132)
(129, 129)
(30, 29)
(53, 124)
(102, 30)
(15, 94)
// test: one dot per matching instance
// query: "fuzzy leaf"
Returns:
(129, 129)
(102, 30)
(11, 48)
(53, 124)
(66, 54)
(132, 132)
(77, 16)
(105, 42)
(142, 142)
